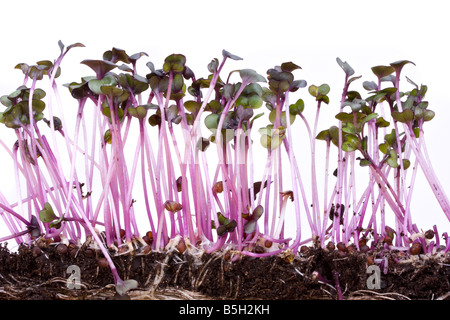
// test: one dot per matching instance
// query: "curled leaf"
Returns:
(228, 226)
(249, 76)
(346, 67)
(213, 65)
(428, 115)
(175, 63)
(227, 54)
(404, 116)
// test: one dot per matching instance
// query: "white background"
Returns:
(265, 33)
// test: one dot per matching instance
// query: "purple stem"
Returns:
(338, 286)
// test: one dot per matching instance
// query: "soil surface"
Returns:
(41, 272)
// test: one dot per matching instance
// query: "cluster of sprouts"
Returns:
(183, 148)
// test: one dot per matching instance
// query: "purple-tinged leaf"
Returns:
(250, 76)
(382, 71)
(398, 65)
(289, 66)
(100, 67)
(346, 67)
(227, 54)
(213, 65)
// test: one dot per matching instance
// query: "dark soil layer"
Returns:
(315, 274)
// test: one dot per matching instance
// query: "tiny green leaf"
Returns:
(348, 146)
(212, 121)
(406, 164)
(213, 65)
(107, 137)
(381, 123)
(226, 226)
(154, 120)
(370, 86)
(428, 115)
(95, 85)
(254, 101)
(266, 141)
(324, 135)
(369, 117)
(257, 212)
(398, 65)
(313, 90)
(348, 127)
(297, 107)
(112, 91)
(175, 63)
(139, 112)
(192, 106)
(6, 101)
(404, 116)
(363, 162)
(115, 55)
(383, 147)
(418, 113)
(47, 215)
(273, 114)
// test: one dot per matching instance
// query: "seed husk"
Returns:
(429, 234)
(36, 251)
(102, 263)
(62, 248)
(416, 248)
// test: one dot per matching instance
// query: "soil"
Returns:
(40, 272)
